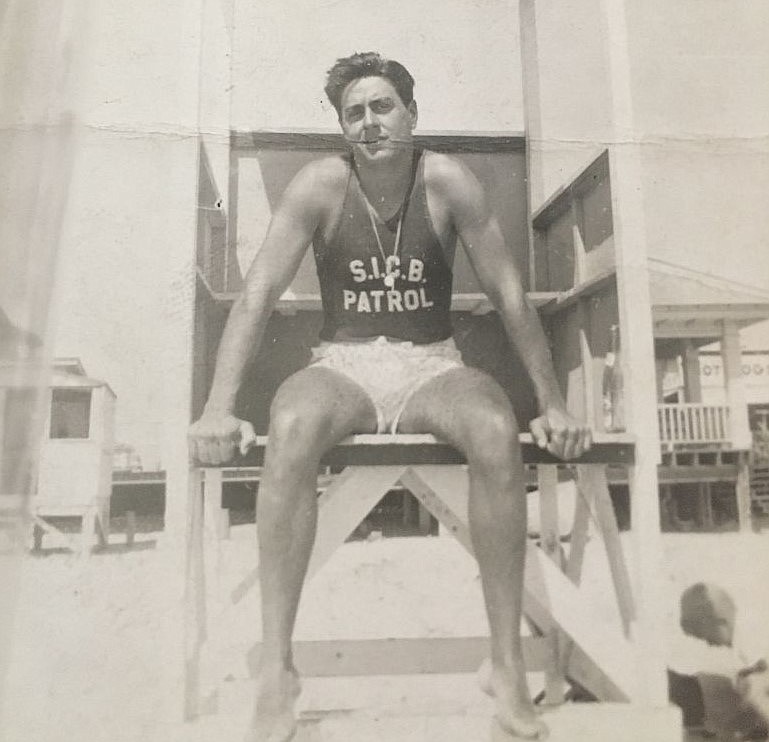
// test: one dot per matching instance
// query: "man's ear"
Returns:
(414, 113)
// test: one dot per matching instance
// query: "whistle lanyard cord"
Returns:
(371, 215)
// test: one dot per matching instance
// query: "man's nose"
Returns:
(370, 118)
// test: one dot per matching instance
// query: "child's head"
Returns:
(708, 613)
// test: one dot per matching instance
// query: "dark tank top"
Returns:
(357, 301)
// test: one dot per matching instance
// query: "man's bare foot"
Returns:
(484, 677)
(274, 719)
(516, 715)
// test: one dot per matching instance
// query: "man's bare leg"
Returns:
(312, 411)
(468, 409)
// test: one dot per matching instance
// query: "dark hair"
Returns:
(367, 64)
(703, 606)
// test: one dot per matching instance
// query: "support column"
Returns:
(635, 315)
(3, 395)
(691, 364)
(590, 379)
(742, 493)
(659, 367)
(735, 387)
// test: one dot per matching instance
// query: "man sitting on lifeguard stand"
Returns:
(383, 221)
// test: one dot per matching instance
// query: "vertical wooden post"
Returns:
(635, 314)
(406, 501)
(706, 504)
(102, 527)
(37, 537)
(547, 479)
(659, 364)
(3, 396)
(666, 508)
(212, 502)
(594, 485)
(88, 528)
(532, 124)
(580, 533)
(223, 524)
(590, 412)
(735, 386)
(425, 520)
(742, 492)
(691, 368)
(580, 271)
(550, 542)
(130, 528)
(194, 597)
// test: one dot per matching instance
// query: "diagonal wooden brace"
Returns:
(345, 503)
(550, 598)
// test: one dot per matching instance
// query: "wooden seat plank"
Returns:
(412, 449)
(400, 656)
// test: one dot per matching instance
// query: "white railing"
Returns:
(693, 423)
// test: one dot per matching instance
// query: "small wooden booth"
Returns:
(75, 471)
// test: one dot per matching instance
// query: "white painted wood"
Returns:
(742, 491)
(345, 503)
(415, 439)
(223, 524)
(88, 530)
(579, 538)
(341, 508)
(3, 397)
(635, 315)
(213, 590)
(531, 114)
(550, 543)
(693, 422)
(573, 568)
(550, 599)
(592, 483)
(550, 538)
(130, 529)
(735, 386)
(590, 413)
(442, 490)
(212, 503)
(553, 600)
(440, 708)
(402, 656)
(580, 268)
(194, 595)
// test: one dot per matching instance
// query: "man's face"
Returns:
(375, 120)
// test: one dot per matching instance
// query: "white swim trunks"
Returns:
(388, 371)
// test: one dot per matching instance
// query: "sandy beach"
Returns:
(97, 643)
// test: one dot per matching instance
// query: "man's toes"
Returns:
(484, 678)
(280, 729)
(514, 729)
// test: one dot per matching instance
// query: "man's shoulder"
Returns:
(329, 171)
(320, 181)
(449, 178)
(442, 169)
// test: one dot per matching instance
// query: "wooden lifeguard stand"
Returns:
(620, 662)
(586, 272)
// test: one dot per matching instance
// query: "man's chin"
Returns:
(382, 150)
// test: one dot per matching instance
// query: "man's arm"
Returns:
(214, 436)
(498, 275)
